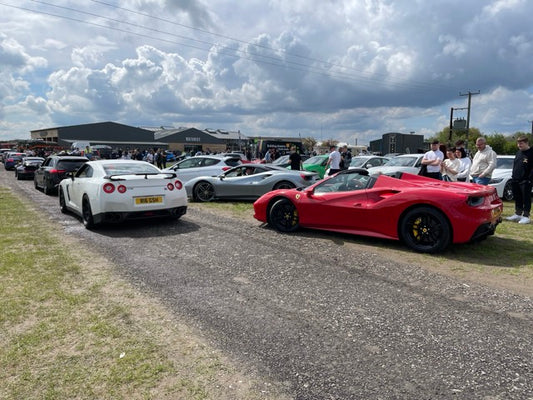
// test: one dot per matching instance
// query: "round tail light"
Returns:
(170, 186)
(178, 185)
(109, 188)
(122, 189)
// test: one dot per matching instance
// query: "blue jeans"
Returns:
(481, 181)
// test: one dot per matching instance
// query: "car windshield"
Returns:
(70, 165)
(281, 160)
(358, 161)
(314, 160)
(130, 168)
(401, 162)
(344, 182)
(504, 163)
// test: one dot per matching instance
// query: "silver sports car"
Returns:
(247, 182)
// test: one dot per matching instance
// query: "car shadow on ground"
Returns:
(478, 253)
(150, 227)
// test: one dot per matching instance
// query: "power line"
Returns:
(259, 58)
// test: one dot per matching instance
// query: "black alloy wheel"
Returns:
(62, 201)
(87, 214)
(204, 191)
(283, 216)
(284, 185)
(425, 229)
(508, 191)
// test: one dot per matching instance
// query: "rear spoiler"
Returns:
(120, 177)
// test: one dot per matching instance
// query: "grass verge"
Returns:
(72, 329)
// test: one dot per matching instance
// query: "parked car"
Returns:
(209, 165)
(317, 164)
(368, 161)
(426, 214)
(501, 177)
(117, 190)
(11, 159)
(54, 169)
(410, 163)
(247, 182)
(3, 152)
(26, 169)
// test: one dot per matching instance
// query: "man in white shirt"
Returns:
(432, 160)
(334, 161)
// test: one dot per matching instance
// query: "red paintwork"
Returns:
(378, 210)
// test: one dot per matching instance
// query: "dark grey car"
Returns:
(54, 169)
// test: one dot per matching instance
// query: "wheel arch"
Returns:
(274, 200)
(423, 205)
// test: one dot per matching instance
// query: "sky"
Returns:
(329, 69)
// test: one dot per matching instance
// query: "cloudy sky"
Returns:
(348, 70)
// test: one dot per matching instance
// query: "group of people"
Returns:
(338, 160)
(456, 166)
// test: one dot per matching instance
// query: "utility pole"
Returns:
(469, 94)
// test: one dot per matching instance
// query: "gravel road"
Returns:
(323, 318)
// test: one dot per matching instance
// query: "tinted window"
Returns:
(130, 168)
(70, 165)
(233, 162)
(505, 163)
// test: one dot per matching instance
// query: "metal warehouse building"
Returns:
(117, 136)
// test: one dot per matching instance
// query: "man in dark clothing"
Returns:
(521, 179)
(296, 160)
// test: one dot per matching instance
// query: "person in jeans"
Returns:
(521, 179)
(483, 163)
(432, 160)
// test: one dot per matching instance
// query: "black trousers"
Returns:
(522, 197)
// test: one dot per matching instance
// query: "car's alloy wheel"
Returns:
(62, 201)
(283, 216)
(204, 191)
(284, 185)
(425, 230)
(46, 188)
(87, 214)
(508, 192)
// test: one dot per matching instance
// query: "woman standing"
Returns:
(451, 166)
(466, 163)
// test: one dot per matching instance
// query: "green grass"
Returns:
(69, 330)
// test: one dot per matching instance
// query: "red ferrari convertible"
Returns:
(426, 214)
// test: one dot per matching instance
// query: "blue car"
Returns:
(12, 159)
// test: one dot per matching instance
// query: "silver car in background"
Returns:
(247, 182)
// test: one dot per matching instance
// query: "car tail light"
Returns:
(306, 177)
(225, 168)
(170, 186)
(109, 188)
(178, 185)
(121, 189)
(58, 171)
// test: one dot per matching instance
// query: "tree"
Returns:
(330, 142)
(309, 144)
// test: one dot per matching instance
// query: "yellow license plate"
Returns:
(149, 200)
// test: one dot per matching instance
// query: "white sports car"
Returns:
(116, 190)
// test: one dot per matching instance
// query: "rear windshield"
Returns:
(70, 165)
(130, 168)
(233, 162)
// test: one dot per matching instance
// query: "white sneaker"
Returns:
(514, 217)
(524, 220)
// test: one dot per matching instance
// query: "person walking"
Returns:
(334, 160)
(521, 179)
(483, 163)
(432, 160)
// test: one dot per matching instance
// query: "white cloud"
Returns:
(277, 67)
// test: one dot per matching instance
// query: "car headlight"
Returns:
(495, 181)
